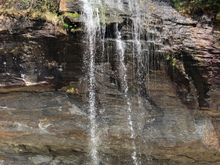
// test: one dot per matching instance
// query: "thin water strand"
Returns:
(91, 20)
(137, 24)
(137, 50)
(123, 76)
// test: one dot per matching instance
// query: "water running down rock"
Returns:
(123, 83)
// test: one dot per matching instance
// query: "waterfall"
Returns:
(137, 50)
(92, 24)
(92, 15)
(123, 76)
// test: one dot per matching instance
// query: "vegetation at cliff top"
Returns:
(34, 9)
(39, 9)
(40, 5)
(198, 8)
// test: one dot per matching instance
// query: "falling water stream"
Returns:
(123, 76)
(136, 34)
(137, 49)
(91, 15)
(91, 19)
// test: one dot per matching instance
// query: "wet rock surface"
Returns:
(40, 123)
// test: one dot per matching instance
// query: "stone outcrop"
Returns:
(34, 52)
(195, 47)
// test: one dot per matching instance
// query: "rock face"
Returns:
(44, 90)
(196, 48)
(35, 52)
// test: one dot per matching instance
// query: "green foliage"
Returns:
(25, 3)
(46, 5)
(66, 26)
(171, 60)
(39, 5)
(41, 9)
(218, 17)
(178, 4)
(71, 89)
(71, 28)
(68, 21)
(197, 7)
(72, 15)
